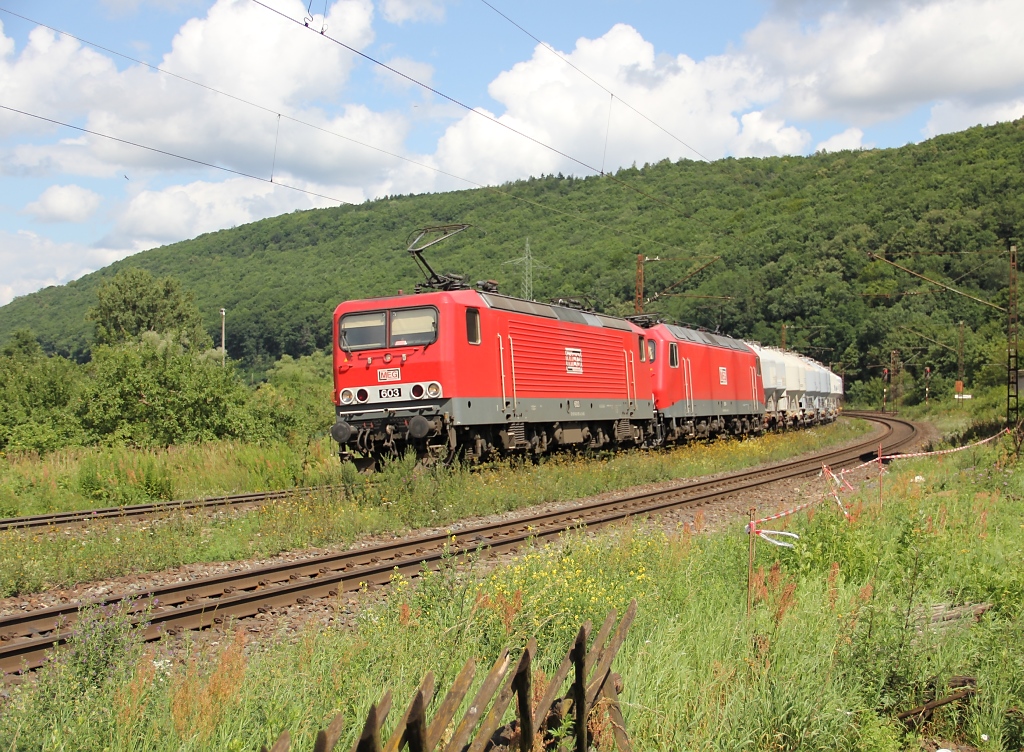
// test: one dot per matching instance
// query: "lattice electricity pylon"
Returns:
(528, 263)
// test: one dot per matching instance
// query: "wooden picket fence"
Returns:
(592, 697)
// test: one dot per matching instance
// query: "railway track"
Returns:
(26, 637)
(57, 519)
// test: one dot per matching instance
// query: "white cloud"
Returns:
(153, 218)
(229, 49)
(711, 105)
(763, 136)
(64, 203)
(31, 262)
(850, 139)
(868, 67)
(950, 116)
(226, 49)
(400, 11)
(53, 76)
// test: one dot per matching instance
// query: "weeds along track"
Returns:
(85, 516)
(25, 638)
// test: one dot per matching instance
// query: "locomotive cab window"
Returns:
(641, 347)
(473, 326)
(413, 326)
(673, 355)
(362, 331)
(652, 349)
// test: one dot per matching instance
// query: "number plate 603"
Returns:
(391, 392)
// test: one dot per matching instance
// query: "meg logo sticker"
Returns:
(389, 374)
(573, 360)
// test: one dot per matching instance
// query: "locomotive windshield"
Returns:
(413, 326)
(361, 331)
(397, 328)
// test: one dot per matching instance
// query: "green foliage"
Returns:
(73, 689)
(23, 344)
(152, 392)
(830, 653)
(40, 398)
(132, 302)
(105, 644)
(101, 476)
(298, 395)
(793, 234)
(155, 392)
(399, 498)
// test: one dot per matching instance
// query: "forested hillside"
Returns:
(793, 234)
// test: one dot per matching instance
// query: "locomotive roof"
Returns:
(517, 305)
(532, 308)
(706, 338)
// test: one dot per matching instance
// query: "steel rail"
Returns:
(80, 516)
(56, 519)
(26, 637)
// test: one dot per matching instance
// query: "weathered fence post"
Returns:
(592, 681)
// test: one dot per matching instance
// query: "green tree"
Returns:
(134, 302)
(39, 398)
(155, 393)
(23, 344)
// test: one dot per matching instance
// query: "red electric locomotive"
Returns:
(461, 370)
(704, 384)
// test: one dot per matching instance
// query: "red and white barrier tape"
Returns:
(765, 535)
(788, 512)
(884, 457)
(835, 485)
(946, 451)
(836, 482)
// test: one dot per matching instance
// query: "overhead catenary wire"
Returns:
(176, 156)
(948, 253)
(308, 192)
(915, 292)
(468, 108)
(507, 194)
(593, 80)
(277, 137)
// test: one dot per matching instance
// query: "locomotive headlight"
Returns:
(433, 390)
(362, 395)
(347, 397)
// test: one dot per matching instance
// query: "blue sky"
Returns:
(746, 78)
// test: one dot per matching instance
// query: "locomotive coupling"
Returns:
(341, 432)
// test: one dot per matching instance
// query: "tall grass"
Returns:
(400, 497)
(834, 649)
(85, 478)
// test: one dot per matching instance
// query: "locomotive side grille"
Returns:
(541, 364)
(623, 430)
(517, 431)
